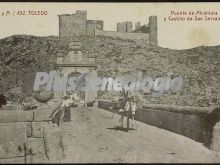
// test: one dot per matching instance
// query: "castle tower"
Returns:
(118, 27)
(70, 24)
(91, 25)
(121, 27)
(125, 27)
(129, 26)
(137, 25)
(153, 30)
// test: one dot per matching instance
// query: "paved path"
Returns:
(94, 137)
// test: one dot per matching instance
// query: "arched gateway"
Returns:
(73, 64)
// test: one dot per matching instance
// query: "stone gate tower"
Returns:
(74, 63)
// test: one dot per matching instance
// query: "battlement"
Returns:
(80, 14)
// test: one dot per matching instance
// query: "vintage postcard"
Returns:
(109, 82)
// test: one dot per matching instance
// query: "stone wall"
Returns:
(124, 31)
(28, 137)
(125, 36)
(197, 123)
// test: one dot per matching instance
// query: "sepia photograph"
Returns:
(109, 82)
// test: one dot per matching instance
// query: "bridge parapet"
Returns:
(198, 123)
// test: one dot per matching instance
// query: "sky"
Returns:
(171, 34)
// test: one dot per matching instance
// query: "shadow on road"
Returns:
(118, 128)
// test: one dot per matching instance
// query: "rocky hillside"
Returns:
(22, 56)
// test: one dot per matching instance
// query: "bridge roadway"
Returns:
(93, 136)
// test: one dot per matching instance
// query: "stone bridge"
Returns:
(93, 136)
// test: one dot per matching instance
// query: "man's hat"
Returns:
(66, 97)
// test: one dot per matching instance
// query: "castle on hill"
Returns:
(70, 24)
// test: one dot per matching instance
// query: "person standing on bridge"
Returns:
(62, 113)
(130, 109)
